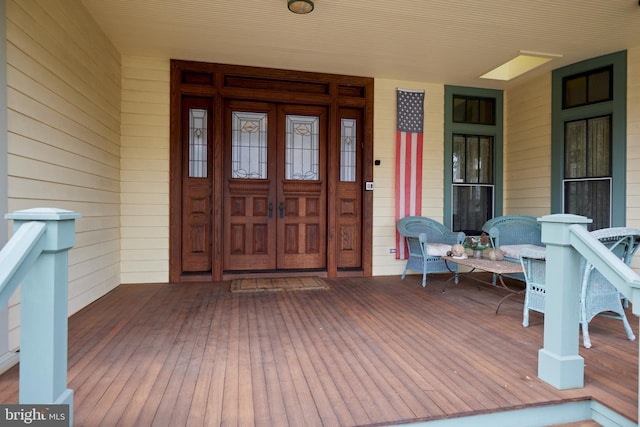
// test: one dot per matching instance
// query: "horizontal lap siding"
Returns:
(527, 157)
(63, 94)
(145, 170)
(633, 141)
(384, 222)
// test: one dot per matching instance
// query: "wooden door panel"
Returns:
(278, 221)
(251, 242)
(196, 157)
(303, 225)
(349, 226)
(349, 191)
(249, 220)
(196, 236)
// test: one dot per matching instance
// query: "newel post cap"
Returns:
(555, 227)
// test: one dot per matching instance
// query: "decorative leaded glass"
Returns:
(348, 144)
(302, 148)
(249, 145)
(197, 143)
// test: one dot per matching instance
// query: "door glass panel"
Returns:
(348, 145)
(302, 151)
(249, 145)
(197, 143)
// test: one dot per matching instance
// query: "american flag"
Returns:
(410, 120)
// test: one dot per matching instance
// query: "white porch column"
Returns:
(44, 310)
(559, 362)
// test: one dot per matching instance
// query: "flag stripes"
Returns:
(409, 141)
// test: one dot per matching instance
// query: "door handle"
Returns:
(281, 207)
(270, 209)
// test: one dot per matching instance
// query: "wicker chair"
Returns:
(598, 296)
(428, 240)
(534, 267)
(511, 234)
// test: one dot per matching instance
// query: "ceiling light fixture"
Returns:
(301, 7)
(524, 62)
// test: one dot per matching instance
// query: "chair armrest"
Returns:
(532, 253)
(494, 237)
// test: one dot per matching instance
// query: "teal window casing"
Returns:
(451, 128)
(617, 108)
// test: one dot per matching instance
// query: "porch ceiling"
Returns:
(439, 41)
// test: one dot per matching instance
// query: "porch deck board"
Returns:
(365, 352)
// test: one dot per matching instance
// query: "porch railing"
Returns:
(568, 241)
(36, 257)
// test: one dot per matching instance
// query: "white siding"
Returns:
(145, 170)
(527, 148)
(63, 94)
(384, 145)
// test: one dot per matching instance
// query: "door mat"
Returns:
(278, 284)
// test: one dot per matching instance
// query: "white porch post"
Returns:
(44, 312)
(559, 362)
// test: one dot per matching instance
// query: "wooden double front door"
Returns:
(275, 214)
(268, 172)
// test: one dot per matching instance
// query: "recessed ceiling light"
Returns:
(524, 62)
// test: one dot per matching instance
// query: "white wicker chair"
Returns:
(533, 265)
(598, 295)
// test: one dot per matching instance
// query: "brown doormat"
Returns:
(278, 284)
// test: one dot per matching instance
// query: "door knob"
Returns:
(270, 209)
(281, 207)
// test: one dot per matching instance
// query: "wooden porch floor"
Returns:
(365, 352)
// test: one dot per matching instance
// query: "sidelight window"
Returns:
(348, 144)
(197, 143)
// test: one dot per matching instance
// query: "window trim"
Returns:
(496, 131)
(617, 108)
